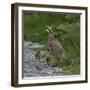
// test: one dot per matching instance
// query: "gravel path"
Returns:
(36, 68)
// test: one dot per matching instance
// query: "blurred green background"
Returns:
(66, 28)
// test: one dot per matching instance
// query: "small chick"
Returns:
(38, 54)
(51, 60)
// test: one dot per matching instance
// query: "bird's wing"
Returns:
(57, 47)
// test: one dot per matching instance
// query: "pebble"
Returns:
(36, 68)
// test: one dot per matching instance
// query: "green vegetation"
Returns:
(66, 28)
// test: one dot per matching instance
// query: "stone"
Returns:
(36, 68)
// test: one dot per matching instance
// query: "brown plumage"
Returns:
(54, 45)
(38, 55)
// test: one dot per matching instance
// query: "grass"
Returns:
(70, 67)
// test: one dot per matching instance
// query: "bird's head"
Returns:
(49, 29)
(50, 32)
